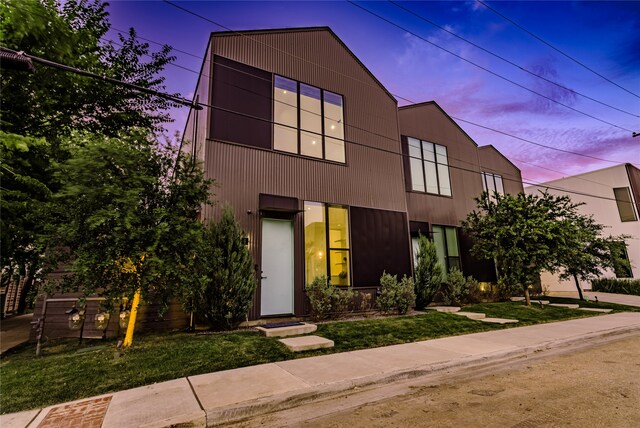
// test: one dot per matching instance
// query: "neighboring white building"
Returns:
(612, 196)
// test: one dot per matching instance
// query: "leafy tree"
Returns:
(525, 234)
(428, 272)
(586, 252)
(229, 276)
(123, 223)
(53, 103)
(24, 172)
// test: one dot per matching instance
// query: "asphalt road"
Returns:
(594, 386)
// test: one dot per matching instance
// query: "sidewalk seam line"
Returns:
(196, 396)
(34, 417)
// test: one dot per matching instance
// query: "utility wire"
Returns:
(554, 48)
(508, 61)
(175, 99)
(403, 155)
(368, 84)
(485, 69)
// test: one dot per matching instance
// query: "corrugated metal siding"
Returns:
(429, 123)
(493, 161)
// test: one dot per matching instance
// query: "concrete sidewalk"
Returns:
(222, 397)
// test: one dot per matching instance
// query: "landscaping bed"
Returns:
(67, 372)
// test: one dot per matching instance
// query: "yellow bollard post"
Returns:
(128, 338)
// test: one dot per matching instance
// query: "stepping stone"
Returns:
(444, 308)
(603, 310)
(540, 302)
(517, 299)
(499, 320)
(288, 330)
(306, 343)
(565, 305)
(471, 315)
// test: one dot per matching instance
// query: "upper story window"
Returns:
(492, 183)
(625, 205)
(308, 120)
(429, 167)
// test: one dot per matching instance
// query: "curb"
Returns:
(240, 412)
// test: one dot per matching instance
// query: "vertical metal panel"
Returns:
(492, 160)
(429, 123)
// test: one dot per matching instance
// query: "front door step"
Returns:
(292, 330)
(443, 308)
(603, 310)
(499, 320)
(565, 305)
(306, 343)
(471, 315)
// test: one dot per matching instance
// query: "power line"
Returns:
(533, 183)
(508, 61)
(486, 69)
(554, 48)
(368, 84)
(175, 99)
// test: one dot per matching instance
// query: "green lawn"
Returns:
(63, 373)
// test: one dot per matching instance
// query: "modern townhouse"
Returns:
(324, 172)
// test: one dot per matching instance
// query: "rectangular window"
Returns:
(492, 183)
(447, 248)
(326, 242)
(308, 121)
(429, 167)
(625, 205)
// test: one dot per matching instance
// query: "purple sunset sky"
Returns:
(605, 36)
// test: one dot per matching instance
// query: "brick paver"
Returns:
(84, 414)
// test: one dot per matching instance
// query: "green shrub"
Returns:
(614, 285)
(428, 273)
(396, 296)
(327, 301)
(229, 277)
(457, 289)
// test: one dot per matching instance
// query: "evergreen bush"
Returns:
(229, 277)
(396, 296)
(615, 285)
(428, 275)
(457, 288)
(327, 301)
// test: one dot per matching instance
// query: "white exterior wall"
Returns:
(605, 211)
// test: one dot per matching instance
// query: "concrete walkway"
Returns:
(232, 395)
(14, 331)
(621, 299)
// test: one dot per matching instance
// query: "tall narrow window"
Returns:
(625, 204)
(285, 128)
(327, 246)
(308, 121)
(447, 248)
(492, 183)
(429, 167)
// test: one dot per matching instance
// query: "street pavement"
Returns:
(233, 395)
(14, 331)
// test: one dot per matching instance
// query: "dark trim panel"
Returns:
(379, 242)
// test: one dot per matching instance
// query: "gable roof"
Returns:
(249, 33)
(428, 103)
(489, 146)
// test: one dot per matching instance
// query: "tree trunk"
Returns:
(527, 298)
(575, 278)
(26, 290)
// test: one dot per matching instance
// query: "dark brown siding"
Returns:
(379, 242)
(491, 160)
(429, 123)
(242, 95)
(482, 270)
(371, 178)
(634, 179)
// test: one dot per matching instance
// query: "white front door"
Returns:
(276, 296)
